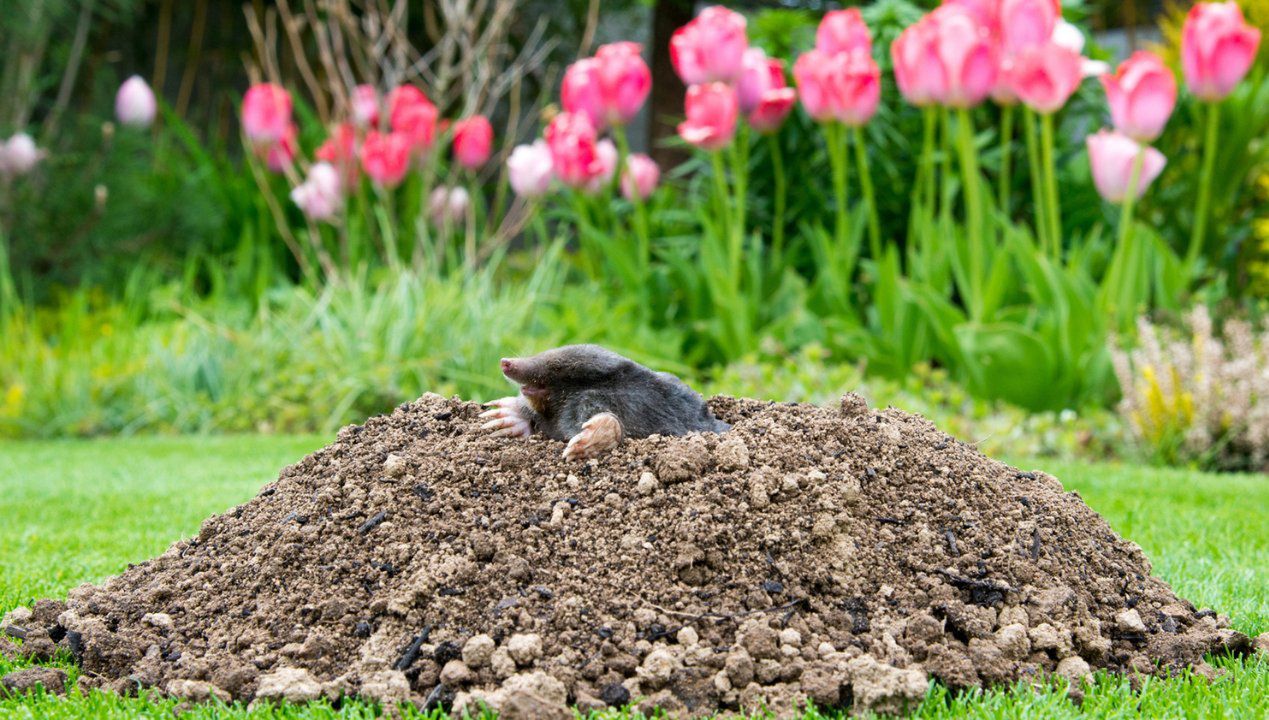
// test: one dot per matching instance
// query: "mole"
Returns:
(592, 397)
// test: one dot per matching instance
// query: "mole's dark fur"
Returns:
(567, 386)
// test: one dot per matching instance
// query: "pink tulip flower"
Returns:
(710, 47)
(843, 86)
(573, 144)
(1027, 23)
(1045, 76)
(135, 104)
(1142, 94)
(266, 113)
(605, 166)
(365, 106)
(280, 155)
(340, 150)
(473, 141)
(530, 169)
(965, 57)
(609, 88)
(1111, 155)
(640, 177)
(843, 31)
(711, 111)
(1218, 47)
(773, 109)
(386, 157)
(412, 115)
(917, 69)
(759, 74)
(19, 155)
(986, 12)
(448, 205)
(320, 196)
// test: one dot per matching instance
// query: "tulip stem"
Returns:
(781, 197)
(1205, 188)
(643, 247)
(1050, 185)
(740, 174)
(973, 211)
(865, 184)
(925, 184)
(1126, 251)
(837, 158)
(1006, 142)
(1125, 213)
(1037, 182)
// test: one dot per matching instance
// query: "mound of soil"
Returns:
(840, 555)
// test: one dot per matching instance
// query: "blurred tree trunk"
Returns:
(667, 89)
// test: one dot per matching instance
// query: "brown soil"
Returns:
(842, 555)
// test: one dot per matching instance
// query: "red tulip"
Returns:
(965, 57)
(1218, 47)
(571, 139)
(1142, 94)
(340, 150)
(710, 47)
(917, 69)
(611, 87)
(773, 109)
(712, 110)
(386, 157)
(266, 113)
(640, 177)
(843, 31)
(278, 156)
(473, 141)
(843, 86)
(413, 116)
(1045, 76)
(1111, 155)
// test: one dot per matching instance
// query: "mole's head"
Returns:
(554, 373)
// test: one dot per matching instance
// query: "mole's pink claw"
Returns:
(599, 434)
(505, 419)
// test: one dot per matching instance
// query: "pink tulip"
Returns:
(319, 197)
(386, 157)
(1045, 76)
(473, 141)
(965, 55)
(135, 104)
(1027, 23)
(773, 109)
(917, 69)
(19, 155)
(986, 13)
(1218, 47)
(710, 47)
(1111, 155)
(759, 74)
(844, 86)
(340, 150)
(530, 170)
(280, 155)
(711, 111)
(365, 106)
(640, 177)
(605, 166)
(571, 139)
(1142, 94)
(448, 205)
(843, 31)
(412, 115)
(266, 113)
(611, 87)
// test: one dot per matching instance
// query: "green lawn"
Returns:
(81, 510)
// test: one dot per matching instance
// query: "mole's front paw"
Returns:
(505, 418)
(599, 435)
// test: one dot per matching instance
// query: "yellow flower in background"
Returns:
(13, 397)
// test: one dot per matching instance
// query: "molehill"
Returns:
(841, 555)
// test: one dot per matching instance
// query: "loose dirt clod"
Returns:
(843, 555)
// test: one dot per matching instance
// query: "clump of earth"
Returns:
(842, 556)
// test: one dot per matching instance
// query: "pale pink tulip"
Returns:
(606, 166)
(365, 106)
(135, 103)
(1218, 47)
(986, 13)
(19, 155)
(759, 74)
(280, 155)
(773, 109)
(1070, 36)
(386, 157)
(530, 170)
(966, 57)
(1045, 76)
(609, 88)
(1027, 23)
(711, 111)
(917, 69)
(266, 113)
(320, 196)
(473, 141)
(640, 177)
(1111, 155)
(413, 116)
(710, 47)
(843, 86)
(843, 31)
(1142, 94)
(448, 205)
(572, 140)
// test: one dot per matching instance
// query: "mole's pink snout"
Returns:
(506, 364)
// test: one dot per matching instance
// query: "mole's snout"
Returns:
(506, 364)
